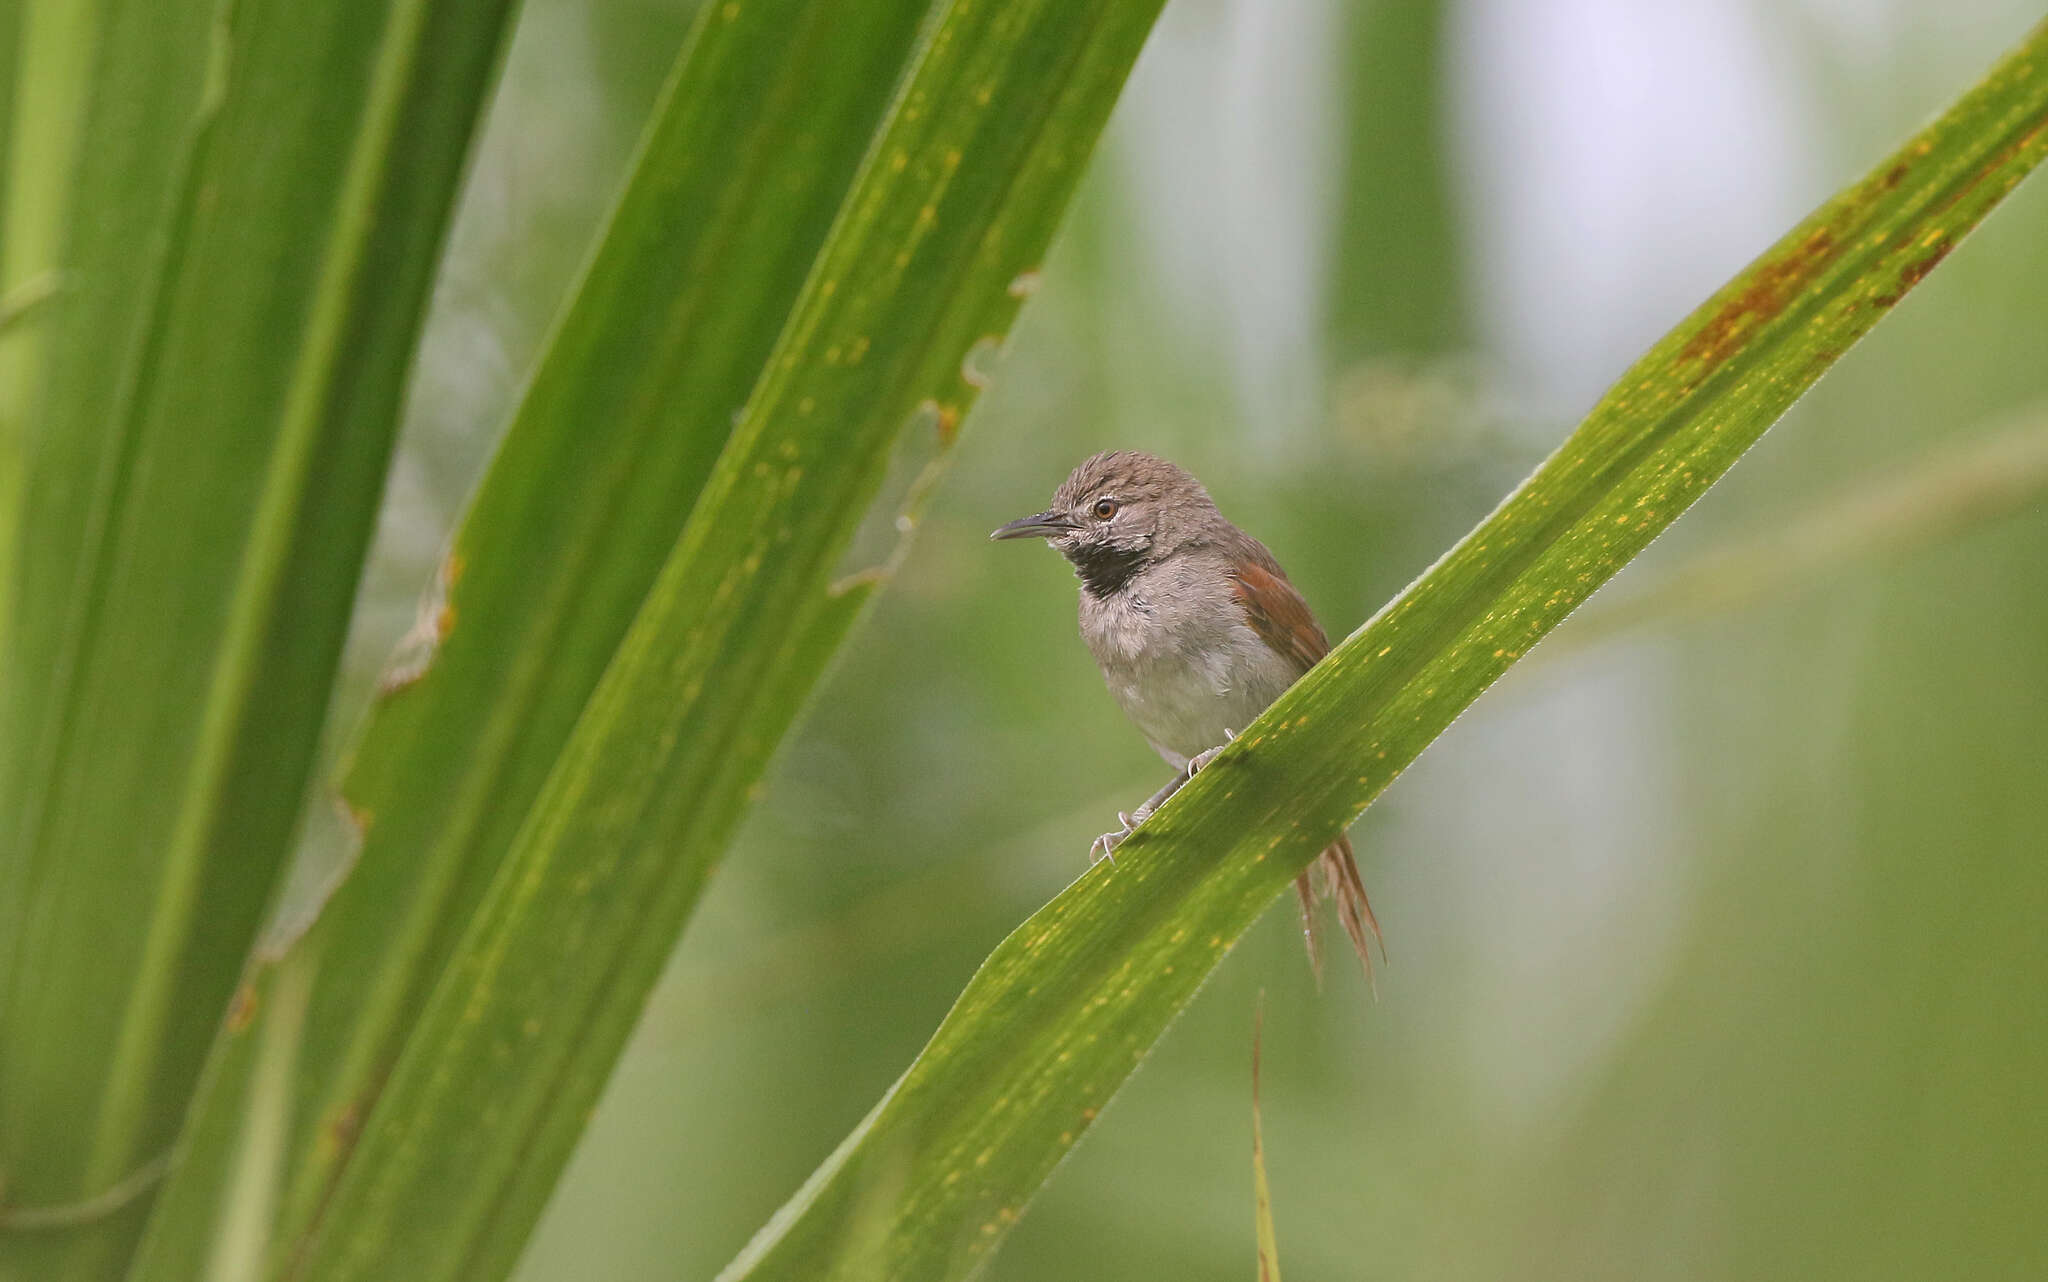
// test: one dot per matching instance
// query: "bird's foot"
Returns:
(1200, 759)
(1104, 847)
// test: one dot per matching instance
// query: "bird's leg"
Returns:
(1201, 759)
(1104, 847)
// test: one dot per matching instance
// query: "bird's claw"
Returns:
(1104, 847)
(1201, 759)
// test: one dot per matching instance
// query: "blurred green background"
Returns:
(1718, 949)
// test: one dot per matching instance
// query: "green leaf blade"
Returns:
(1066, 1007)
(46, 55)
(957, 199)
(1267, 1237)
(735, 185)
(225, 368)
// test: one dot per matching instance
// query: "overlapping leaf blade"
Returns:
(45, 51)
(260, 198)
(1071, 1002)
(747, 157)
(928, 260)
(954, 204)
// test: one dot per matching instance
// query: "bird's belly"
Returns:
(1184, 706)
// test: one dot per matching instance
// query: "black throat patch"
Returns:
(1105, 570)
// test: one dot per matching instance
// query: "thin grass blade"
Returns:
(1262, 1193)
(1952, 490)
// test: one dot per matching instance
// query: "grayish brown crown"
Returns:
(1130, 476)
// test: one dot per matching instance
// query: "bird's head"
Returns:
(1116, 513)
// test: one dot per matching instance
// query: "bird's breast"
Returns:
(1183, 665)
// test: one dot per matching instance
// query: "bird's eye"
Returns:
(1104, 509)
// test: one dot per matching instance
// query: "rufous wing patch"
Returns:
(1278, 614)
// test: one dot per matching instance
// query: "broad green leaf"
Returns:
(18, 308)
(19, 304)
(924, 268)
(46, 52)
(1068, 1005)
(46, 56)
(750, 151)
(10, 74)
(261, 195)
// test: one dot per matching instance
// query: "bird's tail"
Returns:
(1340, 881)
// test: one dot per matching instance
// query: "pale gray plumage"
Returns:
(1193, 624)
(1173, 647)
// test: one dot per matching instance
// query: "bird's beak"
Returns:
(1039, 525)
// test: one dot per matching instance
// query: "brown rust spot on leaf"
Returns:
(343, 1127)
(1916, 271)
(242, 1009)
(1773, 285)
(2000, 161)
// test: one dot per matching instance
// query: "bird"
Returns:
(1196, 629)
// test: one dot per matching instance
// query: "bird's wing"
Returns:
(1276, 611)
